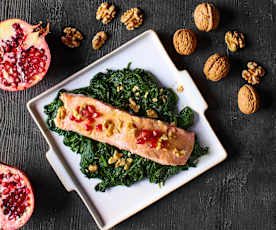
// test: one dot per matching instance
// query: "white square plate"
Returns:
(111, 207)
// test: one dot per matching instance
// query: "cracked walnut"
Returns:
(132, 18)
(105, 13)
(254, 73)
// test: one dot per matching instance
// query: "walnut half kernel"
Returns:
(254, 73)
(132, 18)
(105, 13)
(99, 40)
(72, 37)
(234, 40)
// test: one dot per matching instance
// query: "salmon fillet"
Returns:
(124, 130)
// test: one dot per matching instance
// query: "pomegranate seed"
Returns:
(5, 184)
(141, 140)
(156, 133)
(99, 127)
(163, 144)
(90, 119)
(78, 120)
(78, 109)
(88, 127)
(32, 50)
(153, 143)
(96, 114)
(91, 108)
(15, 25)
(146, 133)
(6, 191)
(72, 118)
(84, 112)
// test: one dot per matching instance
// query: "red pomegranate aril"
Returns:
(72, 118)
(163, 144)
(156, 133)
(153, 143)
(91, 108)
(84, 112)
(88, 127)
(99, 127)
(141, 141)
(146, 133)
(90, 119)
(78, 120)
(96, 114)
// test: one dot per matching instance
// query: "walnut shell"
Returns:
(248, 99)
(206, 17)
(216, 67)
(184, 41)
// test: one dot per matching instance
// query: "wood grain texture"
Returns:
(238, 194)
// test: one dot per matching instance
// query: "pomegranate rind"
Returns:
(36, 39)
(6, 224)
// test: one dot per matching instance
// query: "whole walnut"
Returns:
(216, 67)
(248, 99)
(206, 16)
(184, 41)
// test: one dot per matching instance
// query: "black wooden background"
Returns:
(238, 194)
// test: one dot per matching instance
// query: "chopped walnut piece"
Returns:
(72, 37)
(234, 40)
(180, 89)
(105, 13)
(132, 18)
(99, 40)
(164, 99)
(152, 113)
(155, 99)
(61, 113)
(133, 105)
(92, 168)
(254, 73)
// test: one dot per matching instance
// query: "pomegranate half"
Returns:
(24, 54)
(16, 198)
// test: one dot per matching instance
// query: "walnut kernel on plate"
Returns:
(99, 40)
(216, 67)
(184, 41)
(206, 16)
(105, 12)
(234, 40)
(132, 18)
(72, 37)
(248, 99)
(254, 73)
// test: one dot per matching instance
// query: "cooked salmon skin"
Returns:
(104, 123)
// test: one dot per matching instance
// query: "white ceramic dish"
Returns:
(109, 208)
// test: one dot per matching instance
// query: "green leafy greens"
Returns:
(104, 86)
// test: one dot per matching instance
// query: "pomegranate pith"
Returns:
(24, 54)
(16, 198)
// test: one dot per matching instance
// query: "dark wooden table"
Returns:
(238, 194)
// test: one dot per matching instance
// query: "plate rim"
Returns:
(77, 189)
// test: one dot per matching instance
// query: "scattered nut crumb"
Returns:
(135, 88)
(72, 37)
(133, 105)
(99, 40)
(105, 13)
(254, 73)
(234, 40)
(146, 94)
(119, 88)
(137, 94)
(132, 18)
(92, 168)
(152, 113)
(164, 99)
(155, 99)
(180, 89)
